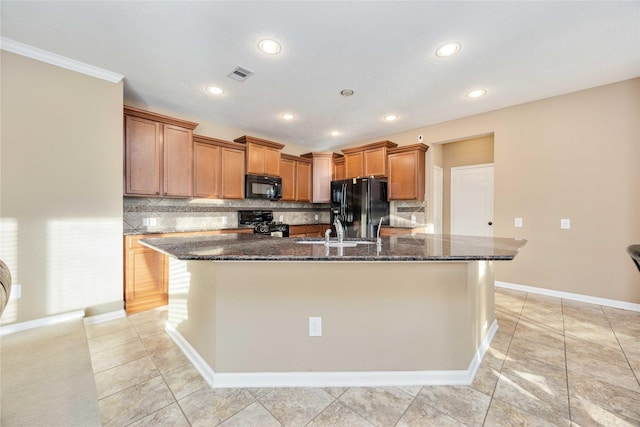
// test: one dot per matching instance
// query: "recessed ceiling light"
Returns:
(268, 46)
(287, 116)
(390, 117)
(215, 90)
(346, 92)
(335, 133)
(476, 93)
(448, 49)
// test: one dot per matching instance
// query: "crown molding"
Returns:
(58, 60)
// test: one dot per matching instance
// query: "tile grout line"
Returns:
(633, 372)
(505, 356)
(175, 399)
(566, 359)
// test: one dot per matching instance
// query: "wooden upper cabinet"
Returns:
(375, 162)
(178, 161)
(353, 165)
(296, 178)
(263, 156)
(407, 172)
(143, 156)
(232, 181)
(338, 168)
(367, 160)
(322, 174)
(158, 155)
(218, 168)
(288, 174)
(206, 173)
(303, 181)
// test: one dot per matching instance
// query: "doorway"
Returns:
(472, 200)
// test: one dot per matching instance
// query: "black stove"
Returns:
(262, 223)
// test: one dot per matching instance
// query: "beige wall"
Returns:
(467, 152)
(574, 156)
(60, 189)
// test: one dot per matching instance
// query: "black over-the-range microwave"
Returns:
(262, 187)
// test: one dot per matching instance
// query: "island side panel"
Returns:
(376, 316)
(192, 305)
(481, 309)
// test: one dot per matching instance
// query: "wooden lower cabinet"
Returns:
(308, 230)
(146, 271)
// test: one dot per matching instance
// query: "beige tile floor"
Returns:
(553, 362)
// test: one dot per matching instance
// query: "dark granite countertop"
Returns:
(417, 247)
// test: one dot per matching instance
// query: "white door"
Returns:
(472, 200)
(437, 199)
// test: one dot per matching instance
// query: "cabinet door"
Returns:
(288, 174)
(338, 172)
(207, 177)
(406, 176)
(146, 278)
(178, 161)
(303, 182)
(143, 156)
(271, 161)
(322, 172)
(375, 162)
(232, 174)
(255, 159)
(353, 165)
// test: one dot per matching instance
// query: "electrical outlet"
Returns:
(281, 218)
(315, 217)
(413, 219)
(517, 222)
(315, 326)
(565, 223)
(149, 222)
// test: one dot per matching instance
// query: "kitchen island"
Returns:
(418, 309)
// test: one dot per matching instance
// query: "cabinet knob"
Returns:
(490, 223)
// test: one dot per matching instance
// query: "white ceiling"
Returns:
(383, 50)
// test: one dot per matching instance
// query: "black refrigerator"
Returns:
(359, 204)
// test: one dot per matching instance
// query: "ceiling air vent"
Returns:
(240, 73)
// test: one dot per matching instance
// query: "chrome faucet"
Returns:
(339, 230)
(378, 239)
(327, 236)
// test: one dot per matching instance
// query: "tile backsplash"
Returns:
(158, 215)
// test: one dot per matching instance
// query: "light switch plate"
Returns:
(149, 222)
(315, 326)
(565, 223)
(517, 222)
(413, 219)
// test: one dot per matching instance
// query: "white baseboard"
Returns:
(198, 362)
(45, 321)
(333, 379)
(568, 295)
(105, 317)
